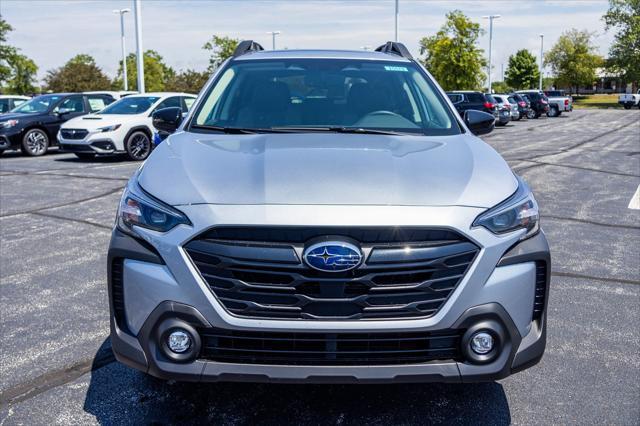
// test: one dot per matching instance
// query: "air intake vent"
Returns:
(117, 292)
(541, 290)
(329, 348)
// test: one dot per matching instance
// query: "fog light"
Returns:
(179, 341)
(482, 343)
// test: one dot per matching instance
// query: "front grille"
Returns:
(278, 348)
(257, 272)
(73, 133)
(541, 290)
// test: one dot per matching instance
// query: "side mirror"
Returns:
(63, 111)
(167, 119)
(480, 123)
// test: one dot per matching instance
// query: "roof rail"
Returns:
(395, 48)
(246, 46)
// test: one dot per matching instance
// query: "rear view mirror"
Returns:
(480, 123)
(167, 119)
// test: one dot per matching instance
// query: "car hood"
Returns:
(328, 169)
(95, 121)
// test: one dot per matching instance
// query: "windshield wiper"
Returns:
(339, 129)
(229, 130)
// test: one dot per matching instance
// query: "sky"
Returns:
(52, 31)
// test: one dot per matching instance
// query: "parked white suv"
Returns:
(122, 127)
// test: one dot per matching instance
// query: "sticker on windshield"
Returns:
(395, 68)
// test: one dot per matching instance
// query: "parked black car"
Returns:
(539, 102)
(32, 127)
(464, 100)
(523, 103)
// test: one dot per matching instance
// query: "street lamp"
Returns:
(273, 38)
(541, 60)
(396, 18)
(121, 12)
(139, 55)
(490, 18)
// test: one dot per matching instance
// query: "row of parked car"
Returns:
(513, 106)
(86, 124)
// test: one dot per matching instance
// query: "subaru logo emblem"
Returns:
(332, 256)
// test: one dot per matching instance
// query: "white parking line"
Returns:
(635, 200)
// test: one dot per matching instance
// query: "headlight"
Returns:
(140, 209)
(109, 128)
(520, 211)
(8, 123)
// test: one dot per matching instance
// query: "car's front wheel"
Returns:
(627, 106)
(531, 114)
(35, 143)
(138, 146)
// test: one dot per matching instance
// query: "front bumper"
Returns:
(155, 289)
(10, 139)
(93, 143)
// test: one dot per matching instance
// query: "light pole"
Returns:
(273, 38)
(121, 12)
(139, 53)
(396, 18)
(541, 60)
(490, 18)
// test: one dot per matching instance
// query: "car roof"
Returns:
(14, 97)
(321, 54)
(465, 91)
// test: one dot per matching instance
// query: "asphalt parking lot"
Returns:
(56, 213)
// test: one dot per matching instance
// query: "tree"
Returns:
(22, 79)
(624, 53)
(17, 72)
(501, 87)
(221, 48)
(452, 55)
(573, 59)
(189, 81)
(6, 51)
(79, 74)
(522, 70)
(156, 72)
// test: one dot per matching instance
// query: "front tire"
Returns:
(138, 146)
(35, 143)
(531, 114)
(627, 106)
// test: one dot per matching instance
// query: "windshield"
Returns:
(324, 94)
(131, 105)
(39, 104)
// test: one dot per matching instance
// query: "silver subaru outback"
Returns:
(326, 216)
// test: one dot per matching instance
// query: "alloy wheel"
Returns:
(139, 146)
(35, 142)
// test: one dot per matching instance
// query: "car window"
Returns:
(498, 99)
(187, 103)
(173, 101)
(326, 93)
(455, 97)
(97, 103)
(475, 97)
(72, 104)
(38, 104)
(131, 105)
(18, 102)
(4, 105)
